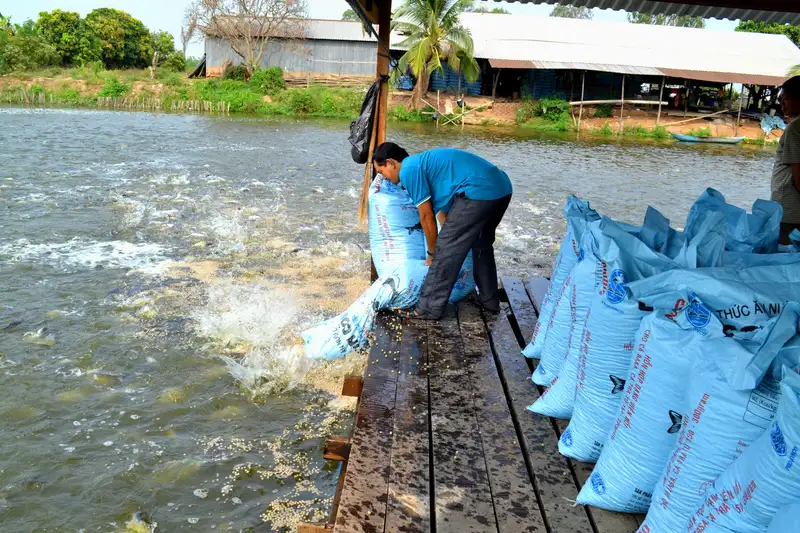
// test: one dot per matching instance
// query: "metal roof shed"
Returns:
(780, 11)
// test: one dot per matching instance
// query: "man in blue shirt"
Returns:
(469, 196)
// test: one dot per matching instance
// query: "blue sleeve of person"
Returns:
(414, 181)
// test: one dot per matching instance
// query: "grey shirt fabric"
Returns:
(783, 190)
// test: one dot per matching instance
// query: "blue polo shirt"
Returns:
(438, 175)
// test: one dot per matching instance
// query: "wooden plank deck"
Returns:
(442, 441)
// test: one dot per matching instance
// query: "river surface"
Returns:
(156, 271)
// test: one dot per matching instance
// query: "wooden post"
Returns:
(739, 118)
(379, 133)
(622, 105)
(463, 107)
(583, 89)
(494, 85)
(438, 95)
(686, 101)
(660, 99)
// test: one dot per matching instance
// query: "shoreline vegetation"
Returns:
(266, 94)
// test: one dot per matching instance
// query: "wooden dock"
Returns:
(442, 441)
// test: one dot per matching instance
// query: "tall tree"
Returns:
(349, 14)
(751, 26)
(125, 40)
(433, 35)
(6, 26)
(667, 20)
(188, 28)
(482, 7)
(571, 12)
(247, 25)
(75, 42)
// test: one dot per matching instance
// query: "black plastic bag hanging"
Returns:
(361, 128)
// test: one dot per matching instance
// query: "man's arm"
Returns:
(428, 222)
(441, 216)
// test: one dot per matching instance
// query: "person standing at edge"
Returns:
(786, 170)
(469, 196)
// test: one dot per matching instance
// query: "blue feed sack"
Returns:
(652, 409)
(577, 214)
(724, 420)
(763, 480)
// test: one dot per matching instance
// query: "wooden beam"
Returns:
(352, 386)
(410, 489)
(463, 499)
(336, 448)
(305, 527)
(515, 503)
(660, 98)
(520, 306)
(384, 35)
(366, 486)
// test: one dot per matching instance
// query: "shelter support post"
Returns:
(686, 100)
(739, 118)
(660, 99)
(622, 105)
(494, 85)
(583, 89)
(379, 130)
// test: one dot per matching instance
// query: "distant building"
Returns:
(331, 47)
(543, 56)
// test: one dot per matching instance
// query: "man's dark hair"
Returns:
(792, 87)
(388, 151)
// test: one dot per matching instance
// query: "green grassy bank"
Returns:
(260, 96)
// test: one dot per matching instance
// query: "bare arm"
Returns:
(442, 215)
(428, 222)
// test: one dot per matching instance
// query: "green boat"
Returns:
(715, 140)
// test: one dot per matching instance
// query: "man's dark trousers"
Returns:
(470, 225)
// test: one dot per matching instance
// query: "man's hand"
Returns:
(442, 217)
(428, 222)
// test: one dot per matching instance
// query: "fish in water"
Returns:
(412, 229)
(619, 384)
(676, 419)
(13, 324)
(41, 337)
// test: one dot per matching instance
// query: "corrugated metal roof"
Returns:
(338, 30)
(600, 67)
(511, 63)
(723, 77)
(766, 10)
(595, 44)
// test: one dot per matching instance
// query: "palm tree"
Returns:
(433, 35)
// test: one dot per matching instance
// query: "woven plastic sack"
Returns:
(577, 214)
(611, 324)
(350, 331)
(787, 520)
(652, 409)
(565, 316)
(723, 419)
(396, 236)
(758, 232)
(748, 494)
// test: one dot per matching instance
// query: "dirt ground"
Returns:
(504, 112)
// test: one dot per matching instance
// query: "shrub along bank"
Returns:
(265, 93)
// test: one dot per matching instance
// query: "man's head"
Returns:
(790, 97)
(387, 159)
